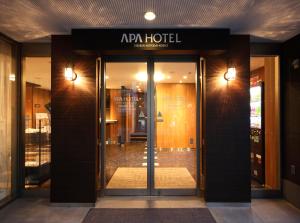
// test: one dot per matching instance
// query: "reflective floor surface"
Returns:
(29, 210)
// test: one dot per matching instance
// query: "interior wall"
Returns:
(227, 125)
(36, 99)
(177, 104)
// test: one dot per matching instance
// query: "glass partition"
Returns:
(264, 123)
(126, 125)
(37, 75)
(8, 118)
(175, 123)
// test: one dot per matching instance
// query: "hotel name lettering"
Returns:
(151, 40)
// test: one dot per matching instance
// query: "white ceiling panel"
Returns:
(36, 20)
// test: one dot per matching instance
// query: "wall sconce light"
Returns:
(70, 75)
(230, 74)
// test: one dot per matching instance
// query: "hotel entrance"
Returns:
(149, 143)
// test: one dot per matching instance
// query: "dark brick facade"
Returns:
(290, 80)
(73, 169)
(227, 124)
(74, 126)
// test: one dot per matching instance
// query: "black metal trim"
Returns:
(125, 192)
(102, 125)
(152, 134)
(175, 192)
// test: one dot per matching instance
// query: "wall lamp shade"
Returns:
(230, 74)
(70, 75)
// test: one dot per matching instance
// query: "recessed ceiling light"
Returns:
(185, 77)
(180, 81)
(149, 16)
(158, 76)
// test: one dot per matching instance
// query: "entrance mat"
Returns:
(165, 178)
(149, 215)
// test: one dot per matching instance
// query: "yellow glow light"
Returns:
(141, 76)
(69, 74)
(158, 76)
(12, 77)
(230, 74)
(149, 16)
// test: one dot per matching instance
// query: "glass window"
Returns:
(126, 125)
(175, 141)
(8, 115)
(264, 122)
(37, 74)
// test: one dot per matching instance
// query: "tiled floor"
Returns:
(29, 210)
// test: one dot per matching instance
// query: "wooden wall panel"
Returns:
(272, 136)
(28, 106)
(177, 104)
(36, 99)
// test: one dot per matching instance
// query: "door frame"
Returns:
(151, 131)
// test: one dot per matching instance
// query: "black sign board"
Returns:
(150, 39)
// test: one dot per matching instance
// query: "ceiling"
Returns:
(37, 70)
(256, 62)
(131, 75)
(36, 20)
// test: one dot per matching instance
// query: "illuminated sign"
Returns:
(150, 39)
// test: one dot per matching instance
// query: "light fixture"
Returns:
(70, 75)
(230, 74)
(12, 77)
(180, 81)
(141, 76)
(149, 16)
(184, 77)
(158, 76)
(106, 77)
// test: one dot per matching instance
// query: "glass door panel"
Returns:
(126, 125)
(175, 125)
